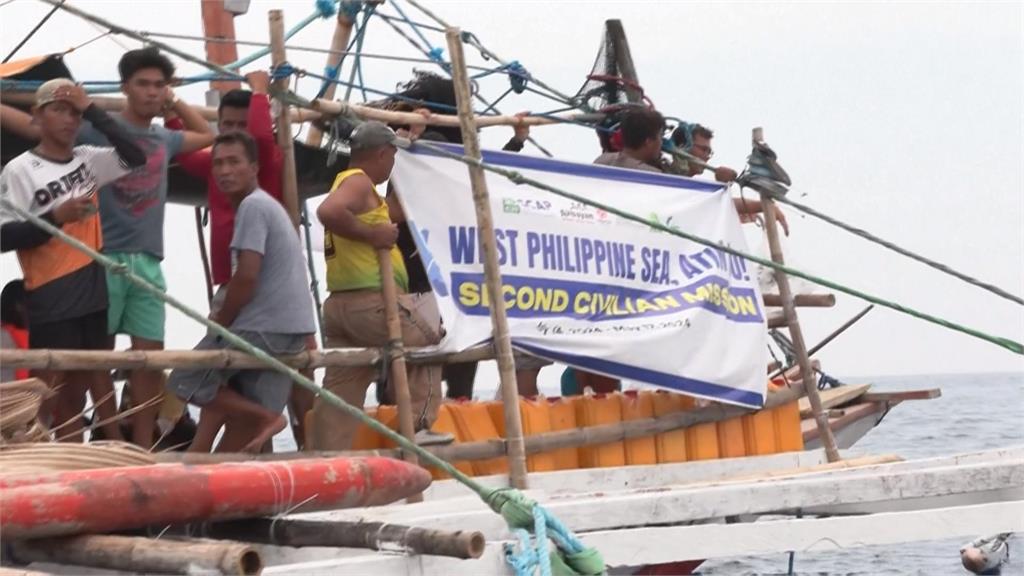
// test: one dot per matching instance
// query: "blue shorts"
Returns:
(266, 387)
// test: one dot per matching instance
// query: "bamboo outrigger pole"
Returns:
(289, 184)
(492, 273)
(793, 323)
(397, 375)
(339, 42)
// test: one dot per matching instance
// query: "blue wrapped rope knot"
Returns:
(351, 8)
(436, 54)
(326, 8)
(283, 70)
(518, 76)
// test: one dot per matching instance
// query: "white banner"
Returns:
(587, 288)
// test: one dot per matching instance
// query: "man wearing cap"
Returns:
(59, 182)
(356, 226)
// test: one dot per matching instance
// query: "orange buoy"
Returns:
(109, 499)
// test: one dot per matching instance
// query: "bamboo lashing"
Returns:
(345, 534)
(339, 42)
(533, 444)
(289, 178)
(793, 323)
(142, 555)
(492, 272)
(397, 375)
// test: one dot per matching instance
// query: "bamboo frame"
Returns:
(398, 377)
(492, 272)
(347, 534)
(141, 555)
(63, 360)
(793, 323)
(327, 108)
(289, 183)
(496, 448)
(339, 42)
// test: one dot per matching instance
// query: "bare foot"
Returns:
(265, 433)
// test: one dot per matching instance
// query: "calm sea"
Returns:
(975, 412)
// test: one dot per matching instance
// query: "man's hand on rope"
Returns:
(522, 131)
(74, 209)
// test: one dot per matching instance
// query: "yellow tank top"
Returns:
(353, 265)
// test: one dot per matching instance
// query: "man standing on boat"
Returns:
(132, 212)
(61, 183)
(357, 225)
(247, 111)
(266, 303)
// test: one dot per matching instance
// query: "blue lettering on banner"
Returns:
(527, 297)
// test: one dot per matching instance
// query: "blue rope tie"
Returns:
(283, 70)
(436, 54)
(518, 77)
(351, 8)
(325, 8)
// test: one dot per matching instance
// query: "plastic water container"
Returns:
(759, 433)
(473, 423)
(731, 440)
(670, 446)
(593, 411)
(639, 406)
(366, 438)
(446, 423)
(788, 435)
(535, 414)
(562, 416)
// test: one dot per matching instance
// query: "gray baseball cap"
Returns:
(373, 134)
(47, 92)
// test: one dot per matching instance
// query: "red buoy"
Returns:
(109, 499)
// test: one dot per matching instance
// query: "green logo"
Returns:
(510, 206)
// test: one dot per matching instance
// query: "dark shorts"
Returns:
(87, 332)
(268, 388)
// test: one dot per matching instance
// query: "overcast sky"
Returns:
(902, 118)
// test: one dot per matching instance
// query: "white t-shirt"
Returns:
(59, 284)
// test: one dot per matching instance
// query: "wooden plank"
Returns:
(636, 477)
(833, 397)
(923, 394)
(802, 300)
(677, 505)
(637, 546)
(668, 544)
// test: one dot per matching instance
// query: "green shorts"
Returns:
(134, 311)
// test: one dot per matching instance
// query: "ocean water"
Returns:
(975, 412)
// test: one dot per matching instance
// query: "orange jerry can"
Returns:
(535, 414)
(387, 415)
(562, 416)
(670, 446)
(473, 423)
(788, 435)
(701, 439)
(446, 423)
(731, 440)
(593, 411)
(496, 410)
(366, 438)
(638, 406)
(759, 433)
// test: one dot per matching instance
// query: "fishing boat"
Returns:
(656, 481)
